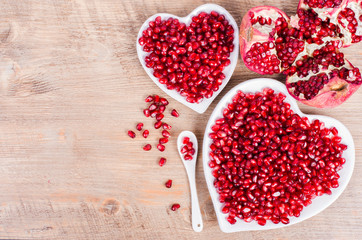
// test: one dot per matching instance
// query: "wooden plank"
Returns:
(70, 86)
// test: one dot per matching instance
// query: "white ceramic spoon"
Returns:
(197, 224)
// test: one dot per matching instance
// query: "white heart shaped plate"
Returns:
(228, 71)
(319, 203)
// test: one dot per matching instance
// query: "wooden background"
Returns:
(71, 86)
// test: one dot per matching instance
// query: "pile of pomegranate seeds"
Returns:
(155, 110)
(189, 59)
(187, 149)
(268, 162)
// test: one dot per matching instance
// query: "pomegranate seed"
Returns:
(175, 206)
(149, 99)
(161, 147)
(145, 133)
(186, 140)
(174, 113)
(131, 134)
(166, 126)
(162, 161)
(147, 147)
(139, 126)
(164, 101)
(188, 157)
(166, 134)
(158, 124)
(146, 112)
(168, 184)
(159, 117)
(163, 140)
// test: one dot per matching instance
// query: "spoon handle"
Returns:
(197, 224)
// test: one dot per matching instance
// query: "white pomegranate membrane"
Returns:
(268, 162)
(187, 149)
(189, 59)
(305, 47)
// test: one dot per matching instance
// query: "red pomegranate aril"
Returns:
(186, 140)
(168, 184)
(139, 126)
(174, 113)
(162, 161)
(146, 112)
(165, 126)
(145, 133)
(175, 206)
(158, 124)
(271, 164)
(188, 157)
(166, 133)
(147, 147)
(159, 116)
(131, 134)
(152, 107)
(149, 99)
(161, 147)
(163, 140)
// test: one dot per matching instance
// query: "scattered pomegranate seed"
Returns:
(161, 147)
(145, 133)
(175, 206)
(146, 112)
(163, 140)
(268, 162)
(166, 126)
(174, 113)
(149, 99)
(159, 116)
(139, 126)
(131, 134)
(147, 147)
(166, 133)
(162, 161)
(158, 124)
(156, 99)
(168, 184)
(164, 101)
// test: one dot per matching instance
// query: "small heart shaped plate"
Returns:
(228, 71)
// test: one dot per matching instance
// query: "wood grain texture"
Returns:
(71, 86)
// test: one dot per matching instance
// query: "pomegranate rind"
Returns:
(250, 35)
(333, 94)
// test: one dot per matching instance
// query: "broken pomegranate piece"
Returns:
(305, 48)
(268, 162)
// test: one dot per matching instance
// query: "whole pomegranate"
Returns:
(305, 48)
